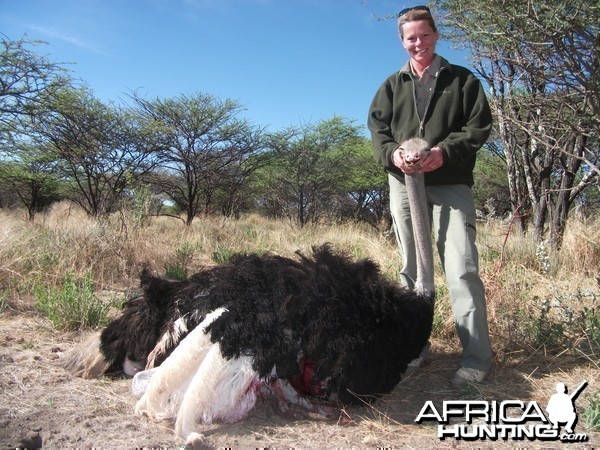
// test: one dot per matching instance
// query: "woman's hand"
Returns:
(433, 161)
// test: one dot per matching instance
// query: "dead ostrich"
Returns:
(309, 331)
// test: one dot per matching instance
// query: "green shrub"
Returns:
(565, 321)
(546, 330)
(591, 415)
(3, 301)
(590, 322)
(175, 272)
(178, 270)
(222, 255)
(72, 306)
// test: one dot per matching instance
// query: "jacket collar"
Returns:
(444, 65)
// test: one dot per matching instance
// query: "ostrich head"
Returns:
(414, 151)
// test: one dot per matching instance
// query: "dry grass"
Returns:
(521, 280)
(115, 250)
(531, 294)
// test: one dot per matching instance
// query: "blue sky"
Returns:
(288, 62)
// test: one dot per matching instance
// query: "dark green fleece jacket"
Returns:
(457, 119)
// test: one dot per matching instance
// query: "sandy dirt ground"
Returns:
(43, 405)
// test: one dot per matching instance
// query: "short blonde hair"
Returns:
(416, 14)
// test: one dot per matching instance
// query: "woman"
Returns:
(444, 104)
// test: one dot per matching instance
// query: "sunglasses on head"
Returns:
(414, 8)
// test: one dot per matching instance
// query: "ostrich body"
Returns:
(414, 151)
(311, 330)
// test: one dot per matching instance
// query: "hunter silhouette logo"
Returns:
(561, 407)
(508, 419)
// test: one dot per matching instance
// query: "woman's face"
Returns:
(418, 38)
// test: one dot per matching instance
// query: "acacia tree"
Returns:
(363, 192)
(27, 81)
(307, 169)
(31, 177)
(492, 197)
(204, 140)
(28, 85)
(99, 149)
(236, 190)
(540, 59)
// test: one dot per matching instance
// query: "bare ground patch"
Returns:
(40, 403)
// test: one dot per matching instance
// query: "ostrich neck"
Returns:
(417, 199)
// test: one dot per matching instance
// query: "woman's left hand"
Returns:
(434, 160)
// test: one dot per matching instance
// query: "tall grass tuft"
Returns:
(591, 415)
(3, 301)
(73, 305)
(179, 269)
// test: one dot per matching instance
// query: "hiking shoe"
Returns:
(466, 375)
(416, 363)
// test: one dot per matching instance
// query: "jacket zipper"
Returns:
(422, 120)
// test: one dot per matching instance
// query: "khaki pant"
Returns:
(452, 215)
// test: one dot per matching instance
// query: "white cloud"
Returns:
(70, 39)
